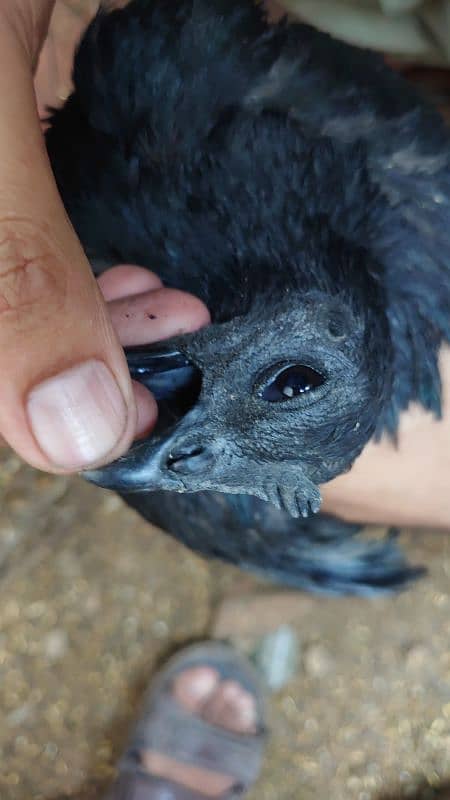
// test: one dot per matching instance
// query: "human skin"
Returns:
(402, 483)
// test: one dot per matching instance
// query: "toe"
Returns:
(239, 712)
(231, 707)
(193, 687)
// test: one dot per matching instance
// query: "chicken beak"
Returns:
(175, 383)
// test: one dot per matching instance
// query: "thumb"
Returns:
(66, 400)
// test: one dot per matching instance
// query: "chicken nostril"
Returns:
(188, 459)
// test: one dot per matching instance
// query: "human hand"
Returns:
(142, 311)
(66, 398)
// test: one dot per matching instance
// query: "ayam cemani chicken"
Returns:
(301, 189)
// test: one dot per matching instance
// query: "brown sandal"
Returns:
(169, 729)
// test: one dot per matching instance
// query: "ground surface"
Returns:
(92, 599)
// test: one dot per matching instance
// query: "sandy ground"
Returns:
(92, 599)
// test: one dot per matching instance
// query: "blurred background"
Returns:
(92, 598)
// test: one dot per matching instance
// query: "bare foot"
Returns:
(222, 703)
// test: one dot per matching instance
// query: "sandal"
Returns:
(167, 728)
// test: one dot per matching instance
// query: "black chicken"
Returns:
(301, 189)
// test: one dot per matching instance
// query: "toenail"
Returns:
(196, 683)
(246, 714)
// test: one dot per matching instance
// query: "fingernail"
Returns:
(78, 416)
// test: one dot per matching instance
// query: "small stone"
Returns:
(160, 629)
(277, 657)
(19, 716)
(36, 610)
(318, 662)
(354, 783)
(438, 725)
(55, 644)
(51, 750)
(417, 657)
(357, 758)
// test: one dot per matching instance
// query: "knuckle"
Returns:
(31, 273)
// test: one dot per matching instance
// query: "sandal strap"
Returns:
(141, 786)
(169, 729)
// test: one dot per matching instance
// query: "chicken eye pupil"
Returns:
(292, 382)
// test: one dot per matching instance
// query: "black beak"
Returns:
(153, 463)
(165, 372)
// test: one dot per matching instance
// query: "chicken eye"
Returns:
(290, 382)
